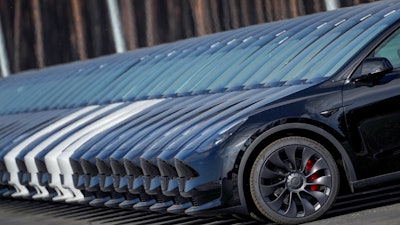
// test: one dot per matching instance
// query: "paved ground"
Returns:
(32, 213)
(387, 215)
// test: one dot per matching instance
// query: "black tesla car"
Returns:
(270, 120)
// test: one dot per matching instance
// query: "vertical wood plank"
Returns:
(79, 30)
(17, 36)
(37, 21)
(129, 23)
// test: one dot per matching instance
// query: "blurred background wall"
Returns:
(40, 33)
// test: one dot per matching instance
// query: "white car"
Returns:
(30, 157)
(84, 135)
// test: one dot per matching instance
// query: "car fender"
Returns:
(349, 169)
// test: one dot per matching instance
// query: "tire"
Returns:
(294, 180)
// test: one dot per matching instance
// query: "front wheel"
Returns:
(294, 180)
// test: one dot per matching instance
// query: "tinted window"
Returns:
(390, 49)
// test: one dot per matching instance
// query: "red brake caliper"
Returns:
(313, 177)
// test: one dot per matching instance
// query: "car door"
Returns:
(372, 112)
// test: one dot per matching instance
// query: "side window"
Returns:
(390, 49)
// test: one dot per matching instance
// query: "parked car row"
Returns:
(269, 120)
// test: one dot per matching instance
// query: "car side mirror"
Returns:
(372, 70)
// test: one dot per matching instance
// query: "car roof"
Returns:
(306, 49)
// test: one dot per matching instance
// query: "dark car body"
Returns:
(269, 120)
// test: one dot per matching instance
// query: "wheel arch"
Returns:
(294, 129)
